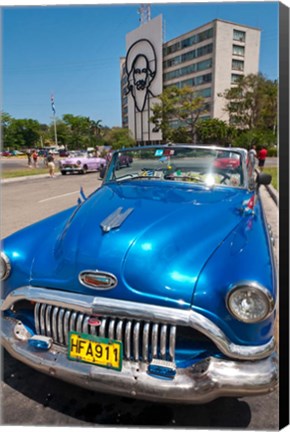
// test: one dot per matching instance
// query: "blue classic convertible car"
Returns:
(160, 285)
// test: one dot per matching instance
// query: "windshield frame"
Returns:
(110, 169)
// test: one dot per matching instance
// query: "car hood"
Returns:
(157, 251)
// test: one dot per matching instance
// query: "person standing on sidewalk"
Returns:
(29, 158)
(50, 164)
(262, 157)
(35, 157)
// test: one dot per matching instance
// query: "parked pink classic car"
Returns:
(81, 162)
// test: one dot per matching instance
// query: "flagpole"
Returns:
(54, 119)
(55, 134)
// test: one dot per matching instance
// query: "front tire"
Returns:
(84, 170)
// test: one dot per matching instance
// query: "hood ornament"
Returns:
(115, 219)
(98, 280)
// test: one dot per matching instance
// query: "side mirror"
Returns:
(263, 179)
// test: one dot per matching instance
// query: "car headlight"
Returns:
(5, 267)
(250, 302)
(79, 162)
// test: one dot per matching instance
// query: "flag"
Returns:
(249, 205)
(52, 104)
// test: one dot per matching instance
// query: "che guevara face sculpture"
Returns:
(141, 70)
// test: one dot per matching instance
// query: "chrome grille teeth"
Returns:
(142, 340)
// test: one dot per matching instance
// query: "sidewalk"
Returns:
(30, 177)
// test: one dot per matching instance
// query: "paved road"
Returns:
(31, 398)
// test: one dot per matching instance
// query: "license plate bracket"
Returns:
(95, 350)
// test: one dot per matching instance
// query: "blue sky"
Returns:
(73, 52)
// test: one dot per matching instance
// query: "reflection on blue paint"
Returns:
(146, 246)
(179, 277)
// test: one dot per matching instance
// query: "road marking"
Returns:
(58, 196)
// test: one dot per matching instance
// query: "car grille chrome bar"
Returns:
(142, 340)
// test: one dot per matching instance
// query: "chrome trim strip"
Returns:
(54, 326)
(111, 329)
(119, 330)
(172, 341)
(60, 326)
(154, 340)
(127, 309)
(42, 319)
(163, 337)
(128, 339)
(36, 318)
(66, 325)
(103, 328)
(145, 346)
(136, 332)
(47, 320)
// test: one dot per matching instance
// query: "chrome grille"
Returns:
(142, 340)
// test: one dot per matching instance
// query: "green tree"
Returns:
(79, 128)
(215, 131)
(258, 137)
(21, 133)
(252, 103)
(164, 112)
(181, 107)
(119, 138)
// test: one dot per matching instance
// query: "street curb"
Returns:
(273, 193)
(31, 177)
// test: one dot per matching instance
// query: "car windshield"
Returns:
(202, 165)
(78, 153)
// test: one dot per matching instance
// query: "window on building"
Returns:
(239, 35)
(235, 78)
(238, 50)
(206, 49)
(206, 64)
(199, 80)
(199, 37)
(205, 35)
(204, 92)
(238, 65)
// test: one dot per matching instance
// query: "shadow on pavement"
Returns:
(89, 408)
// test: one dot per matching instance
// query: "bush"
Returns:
(272, 152)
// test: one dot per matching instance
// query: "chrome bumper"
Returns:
(199, 383)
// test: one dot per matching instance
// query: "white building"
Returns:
(209, 58)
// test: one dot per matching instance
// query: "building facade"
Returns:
(209, 59)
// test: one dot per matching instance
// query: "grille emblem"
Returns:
(94, 321)
(98, 280)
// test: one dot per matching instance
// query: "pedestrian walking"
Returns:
(28, 154)
(50, 164)
(34, 158)
(262, 157)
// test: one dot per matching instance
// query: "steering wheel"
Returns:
(219, 171)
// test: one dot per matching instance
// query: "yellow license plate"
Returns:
(96, 350)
